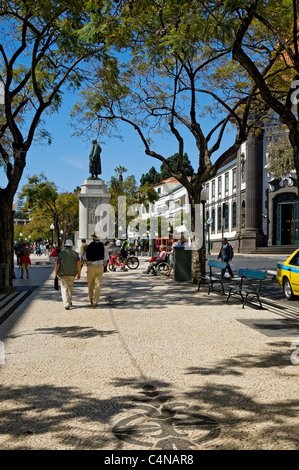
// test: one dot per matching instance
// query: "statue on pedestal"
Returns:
(95, 160)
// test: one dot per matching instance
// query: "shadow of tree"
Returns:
(83, 332)
(154, 414)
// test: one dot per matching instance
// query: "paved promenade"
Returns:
(158, 365)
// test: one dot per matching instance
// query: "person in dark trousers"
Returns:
(96, 255)
(226, 254)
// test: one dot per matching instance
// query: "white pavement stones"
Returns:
(157, 365)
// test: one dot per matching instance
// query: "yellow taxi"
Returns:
(288, 275)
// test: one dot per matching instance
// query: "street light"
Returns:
(203, 199)
(52, 228)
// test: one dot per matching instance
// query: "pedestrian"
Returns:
(124, 252)
(171, 258)
(17, 248)
(53, 253)
(107, 244)
(226, 254)
(68, 266)
(25, 259)
(96, 255)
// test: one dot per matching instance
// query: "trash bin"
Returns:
(182, 261)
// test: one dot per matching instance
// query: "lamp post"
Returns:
(203, 199)
(52, 229)
(209, 222)
(14, 208)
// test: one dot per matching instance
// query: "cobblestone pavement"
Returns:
(158, 365)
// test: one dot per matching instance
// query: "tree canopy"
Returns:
(47, 206)
(153, 176)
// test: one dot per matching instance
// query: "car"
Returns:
(288, 275)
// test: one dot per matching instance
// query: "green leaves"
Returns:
(280, 157)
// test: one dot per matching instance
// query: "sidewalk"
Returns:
(158, 365)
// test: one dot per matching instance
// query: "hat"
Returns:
(96, 236)
(162, 247)
(68, 243)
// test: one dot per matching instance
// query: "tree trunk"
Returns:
(198, 251)
(6, 224)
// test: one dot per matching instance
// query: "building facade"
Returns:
(245, 203)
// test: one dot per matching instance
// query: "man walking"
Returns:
(124, 252)
(96, 255)
(226, 254)
(67, 268)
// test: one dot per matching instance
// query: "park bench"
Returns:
(211, 277)
(249, 286)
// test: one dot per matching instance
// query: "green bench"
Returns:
(249, 286)
(211, 277)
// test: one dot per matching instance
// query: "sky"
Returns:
(66, 160)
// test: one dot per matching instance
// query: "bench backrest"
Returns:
(259, 275)
(212, 263)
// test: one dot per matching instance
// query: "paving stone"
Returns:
(158, 365)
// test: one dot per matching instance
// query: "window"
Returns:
(219, 218)
(213, 188)
(213, 221)
(219, 186)
(226, 216)
(226, 182)
(295, 260)
(234, 215)
(234, 179)
(159, 190)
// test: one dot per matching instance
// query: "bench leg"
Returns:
(229, 294)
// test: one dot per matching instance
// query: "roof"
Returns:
(171, 179)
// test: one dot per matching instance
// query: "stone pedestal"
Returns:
(93, 207)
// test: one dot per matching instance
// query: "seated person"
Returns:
(162, 257)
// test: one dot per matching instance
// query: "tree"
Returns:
(41, 196)
(174, 163)
(151, 177)
(280, 157)
(43, 48)
(274, 27)
(120, 170)
(179, 75)
(154, 177)
(144, 194)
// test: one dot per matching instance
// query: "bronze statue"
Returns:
(95, 160)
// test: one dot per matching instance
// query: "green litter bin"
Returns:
(182, 259)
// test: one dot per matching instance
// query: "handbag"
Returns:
(56, 283)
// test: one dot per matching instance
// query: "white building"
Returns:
(245, 203)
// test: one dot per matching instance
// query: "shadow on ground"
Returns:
(154, 415)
